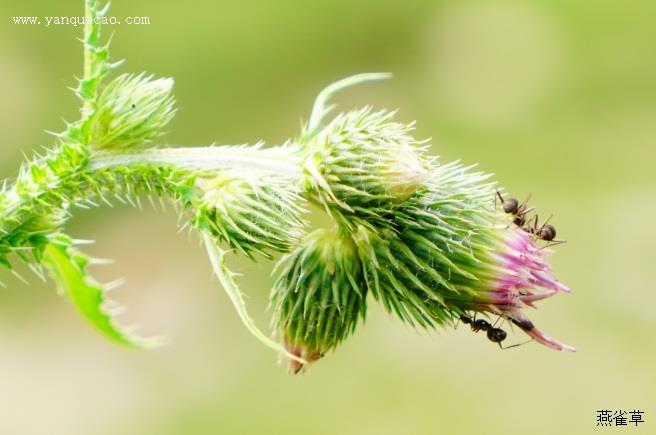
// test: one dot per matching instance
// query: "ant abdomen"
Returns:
(547, 232)
(496, 335)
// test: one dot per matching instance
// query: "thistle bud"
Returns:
(365, 162)
(319, 295)
(253, 213)
(455, 253)
(130, 111)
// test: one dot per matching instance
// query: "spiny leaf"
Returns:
(68, 268)
(226, 279)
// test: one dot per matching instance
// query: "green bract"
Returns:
(440, 246)
(253, 214)
(366, 163)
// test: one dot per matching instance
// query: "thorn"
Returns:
(128, 197)
(82, 242)
(55, 134)
(183, 227)
(114, 312)
(18, 275)
(113, 308)
(113, 285)
(101, 261)
(116, 64)
(152, 202)
(106, 201)
(102, 12)
(38, 271)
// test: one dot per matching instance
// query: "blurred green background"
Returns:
(558, 98)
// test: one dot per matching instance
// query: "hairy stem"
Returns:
(280, 160)
(94, 58)
(49, 187)
(89, 8)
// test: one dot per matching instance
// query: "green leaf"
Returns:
(226, 279)
(68, 269)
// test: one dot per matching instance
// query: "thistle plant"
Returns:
(426, 239)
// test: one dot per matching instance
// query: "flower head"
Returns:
(454, 252)
(365, 162)
(319, 296)
(132, 110)
(252, 212)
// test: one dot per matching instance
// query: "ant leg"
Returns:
(532, 228)
(555, 242)
(514, 345)
(494, 222)
(464, 318)
(497, 321)
(544, 224)
(523, 205)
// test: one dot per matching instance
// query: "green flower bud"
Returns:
(257, 213)
(319, 295)
(130, 111)
(364, 162)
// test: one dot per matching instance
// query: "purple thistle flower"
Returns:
(524, 278)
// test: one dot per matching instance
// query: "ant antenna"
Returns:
(545, 222)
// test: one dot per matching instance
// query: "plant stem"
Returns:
(278, 160)
(86, 178)
(89, 9)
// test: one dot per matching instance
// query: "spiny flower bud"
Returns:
(252, 212)
(131, 111)
(365, 162)
(455, 253)
(319, 296)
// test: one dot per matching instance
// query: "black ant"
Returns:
(544, 232)
(494, 334)
(524, 324)
(513, 207)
